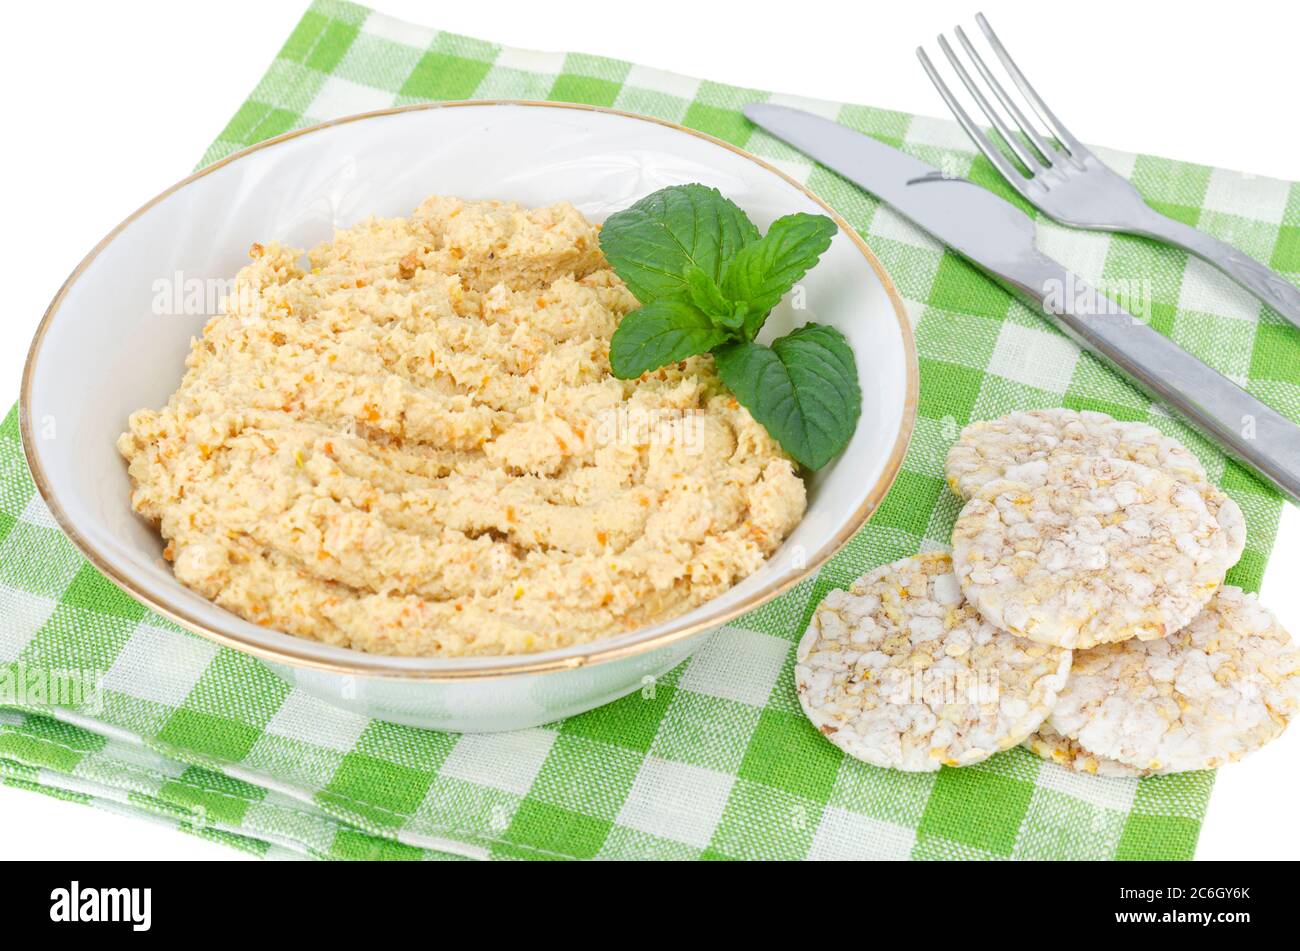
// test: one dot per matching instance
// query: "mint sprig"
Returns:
(804, 387)
(707, 280)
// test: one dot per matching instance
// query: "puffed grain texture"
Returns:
(1069, 753)
(1220, 688)
(899, 671)
(1082, 550)
(986, 449)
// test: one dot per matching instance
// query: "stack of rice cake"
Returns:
(1082, 613)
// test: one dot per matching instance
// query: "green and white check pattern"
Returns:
(715, 761)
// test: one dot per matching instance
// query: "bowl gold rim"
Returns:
(491, 666)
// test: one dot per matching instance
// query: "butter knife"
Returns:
(999, 238)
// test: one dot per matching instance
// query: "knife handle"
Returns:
(1247, 429)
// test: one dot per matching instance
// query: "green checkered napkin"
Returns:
(715, 760)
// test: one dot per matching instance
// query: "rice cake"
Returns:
(986, 449)
(1069, 753)
(899, 671)
(1082, 550)
(1230, 518)
(1220, 688)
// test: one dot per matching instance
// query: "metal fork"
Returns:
(1067, 182)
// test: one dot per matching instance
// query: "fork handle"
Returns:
(1247, 429)
(1269, 286)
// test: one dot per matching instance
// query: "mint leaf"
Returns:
(803, 390)
(706, 281)
(704, 292)
(707, 296)
(763, 271)
(736, 319)
(651, 245)
(661, 332)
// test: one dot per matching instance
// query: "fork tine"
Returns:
(1012, 174)
(1063, 135)
(1031, 161)
(1044, 148)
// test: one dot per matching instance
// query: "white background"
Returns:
(108, 103)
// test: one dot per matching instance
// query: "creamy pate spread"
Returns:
(409, 441)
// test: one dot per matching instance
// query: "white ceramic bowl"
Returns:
(101, 353)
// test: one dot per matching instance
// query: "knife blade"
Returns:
(999, 238)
